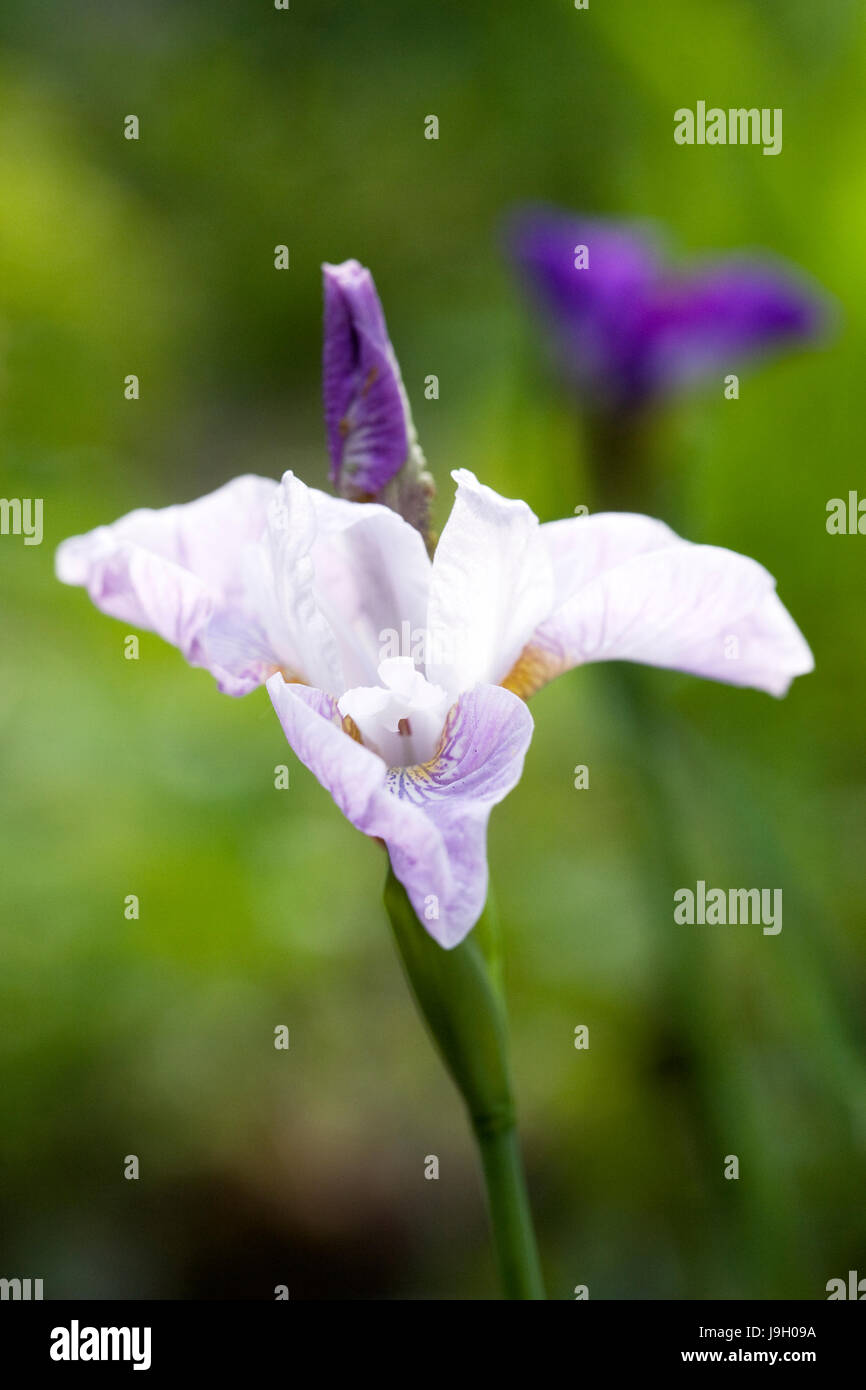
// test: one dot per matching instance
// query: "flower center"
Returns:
(401, 719)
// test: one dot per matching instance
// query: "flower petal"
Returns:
(694, 608)
(171, 570)
(433, 819)
(491, 585)
(402, 718)
(582, 547)
(372, 582)
(283, 589)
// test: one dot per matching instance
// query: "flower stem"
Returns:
(466, 1018)
(510, 1215)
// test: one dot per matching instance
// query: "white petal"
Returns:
(178, 570)
(284, 589)
(581, 547)
(402, 718)
(372, 582)
(492, 584)
(692, 608)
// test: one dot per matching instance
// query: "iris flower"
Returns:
(628, 329)
(401, 678)
(400, 681)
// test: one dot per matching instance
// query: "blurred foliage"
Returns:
(261, 907)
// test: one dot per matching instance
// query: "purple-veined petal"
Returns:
(366, 412)
(694, 608)
(433, 819)
(491, 585)
(172, 570)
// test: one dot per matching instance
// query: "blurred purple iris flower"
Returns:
(628, 330)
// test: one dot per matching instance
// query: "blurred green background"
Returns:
(261, 907)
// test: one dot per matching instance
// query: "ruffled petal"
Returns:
(173, 570)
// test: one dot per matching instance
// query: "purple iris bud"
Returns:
(628, 330)
(375, 455)
(365, 412)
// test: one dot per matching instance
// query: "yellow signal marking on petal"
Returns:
(532, 669)
(419, 772)
(351, 728)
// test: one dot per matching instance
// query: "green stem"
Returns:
(465, 1015)
(510, 1216)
